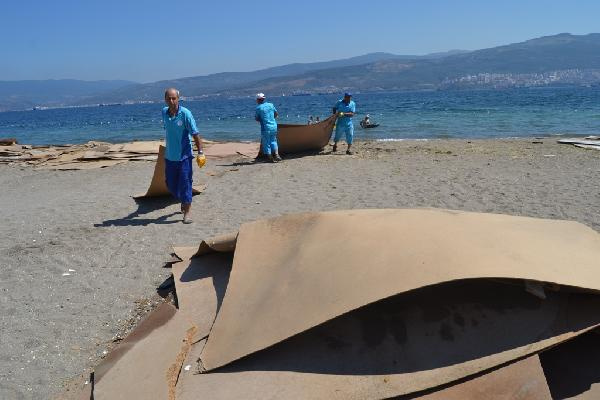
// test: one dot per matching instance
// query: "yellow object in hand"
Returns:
(200, 160)
(341, 114)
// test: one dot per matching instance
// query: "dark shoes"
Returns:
(349, 152)
(334, 147)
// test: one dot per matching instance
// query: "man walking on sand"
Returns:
(266, 114)
(345, 109)
(180, 129)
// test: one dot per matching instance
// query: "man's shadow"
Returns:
(145, 206)
(262, 159)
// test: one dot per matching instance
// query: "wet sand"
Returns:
(81, 260)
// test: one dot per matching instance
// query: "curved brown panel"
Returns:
(295, 272)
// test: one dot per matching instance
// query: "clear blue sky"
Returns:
(151, 40)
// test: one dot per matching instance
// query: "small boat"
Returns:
(293, 138)
(368, 126)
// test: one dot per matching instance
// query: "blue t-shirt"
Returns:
(265, 113)
(179, 130)
(340, 106)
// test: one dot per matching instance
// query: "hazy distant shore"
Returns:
(81, 259)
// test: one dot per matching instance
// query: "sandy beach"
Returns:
(81, 260)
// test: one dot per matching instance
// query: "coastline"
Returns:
(56, 326)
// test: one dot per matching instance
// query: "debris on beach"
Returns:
(84, 156)
(450, 305)
(100, 154)
(93, 154)
(588, 142)
(8, 141)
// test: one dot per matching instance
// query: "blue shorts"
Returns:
(179, 179)
(347, 129)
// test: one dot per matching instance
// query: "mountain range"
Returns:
(562, 59)
(18, 95)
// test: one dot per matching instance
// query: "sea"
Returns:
(466, 114)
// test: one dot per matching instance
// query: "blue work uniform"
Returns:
(344, 124)
(179, 156)
(265, 114)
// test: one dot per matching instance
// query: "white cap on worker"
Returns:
(260, 96)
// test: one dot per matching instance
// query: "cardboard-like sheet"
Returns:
(318, 266)
(82, 165)
(142, 147)
(147, 363)
(573, 369)
(522, 380)
(586, 140)
(158, 185)
(406, 344)
(231, 149)
(298, 138)
(200, 283)
(223, 244)
(588, 146)
(373, 304)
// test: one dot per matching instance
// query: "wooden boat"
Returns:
(293, 138)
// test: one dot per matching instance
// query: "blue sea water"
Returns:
(402, 115)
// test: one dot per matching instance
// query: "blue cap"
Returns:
(347, 94)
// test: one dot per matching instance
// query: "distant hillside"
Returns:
(562, 59)
(226, 81)
(556, 59)
(20, 95)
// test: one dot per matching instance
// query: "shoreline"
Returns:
(416, 139)
(82, 260)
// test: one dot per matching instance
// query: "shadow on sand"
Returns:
(145, 206)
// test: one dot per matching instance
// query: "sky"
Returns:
(150, 40)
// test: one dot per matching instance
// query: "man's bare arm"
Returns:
(198, 141)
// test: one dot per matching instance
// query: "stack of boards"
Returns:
(99, 154)
(84, 156)
(588, 142)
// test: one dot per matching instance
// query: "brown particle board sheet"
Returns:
(145, 364)
(66, 166)
(315, 262)
(573, 369)
(200, 283)
(411, 342)
(158, 185)
(231, 149)
(522, 380)
(377, 304)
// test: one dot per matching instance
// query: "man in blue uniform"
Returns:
(345, 109)
(180, 130)
(266, 114)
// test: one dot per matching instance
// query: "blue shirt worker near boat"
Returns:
(180, 130)
(266, 114)
(345, 109)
